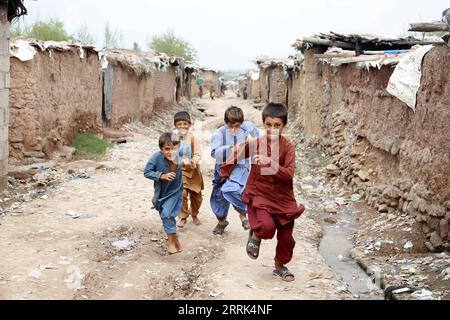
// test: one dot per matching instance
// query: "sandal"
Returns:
(284, 274)
(246, 224)
(182, 222)
(253, 246)
(220, 228)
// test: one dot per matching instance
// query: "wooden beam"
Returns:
(329, 43)
(428, 27)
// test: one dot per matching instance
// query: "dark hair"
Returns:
(234, 115)
(182, 116)
(168, 138)
(275, 110)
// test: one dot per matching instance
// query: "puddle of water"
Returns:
(335, 247)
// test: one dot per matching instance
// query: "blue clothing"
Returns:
(168, 196)
(230, 192)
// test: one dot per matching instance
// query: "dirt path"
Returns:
(47, 254)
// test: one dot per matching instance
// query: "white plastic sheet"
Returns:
(22, 50)
(405, 81)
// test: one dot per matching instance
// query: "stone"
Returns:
(405, 206)
(333, 170)
(434, 223)
(383, 208)
(447, 216)
(34, 154)
(405, 185)
(444, 229)
(22, 174)
(437, 211)
(430, 246)
(425, 228)
(422, 192)
(447, 205)
(436, 240)
(331, 220)
(68, 152)
(363, 175)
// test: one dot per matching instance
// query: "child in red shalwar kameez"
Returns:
(269, 192)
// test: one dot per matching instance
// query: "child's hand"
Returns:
(261, 160)
(186, 162)
(168, 176)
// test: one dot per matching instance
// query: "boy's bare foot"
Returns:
(178, 244)
(171, 244)
(196, 221)
(181, 222)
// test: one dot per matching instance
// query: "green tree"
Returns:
(51, 30)
(83, 35)
(172, 45)
(19, 29)
(113, 38)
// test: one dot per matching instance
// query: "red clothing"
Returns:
(269, 187)
(264, 226)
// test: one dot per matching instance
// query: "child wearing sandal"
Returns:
(164, 168)
(229, 191)
(192, 175)
(269, 192)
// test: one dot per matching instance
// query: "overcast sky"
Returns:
(228, 34)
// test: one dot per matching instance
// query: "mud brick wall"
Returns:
(255, 89)
(165, 89)
(264, 84)
(52, 98)
(4, 96)
(278, 87)
(133, 97)
(399, 160)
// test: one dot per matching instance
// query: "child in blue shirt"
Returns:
(225, 192)
(164, 168)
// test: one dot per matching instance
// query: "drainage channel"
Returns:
(336, 246)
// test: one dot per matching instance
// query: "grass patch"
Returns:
(87, 145)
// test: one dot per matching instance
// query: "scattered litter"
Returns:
(356, 197)
(81, 175)
(423, 294)
(128, 285)
(123, 244)
(48, 267)
(44, 197)
(250, 286)
(71, 214)
(214, 294)
(408, 245)
(341, 201)
(402, 290)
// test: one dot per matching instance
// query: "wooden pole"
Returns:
(428, 27)
(4, 95)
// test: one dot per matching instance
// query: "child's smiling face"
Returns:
(234, 127)
(274, 127)
(183, 127)
(170, 152)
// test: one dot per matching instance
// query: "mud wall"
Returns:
(133, 97)
(399, 160)
(51, 99)
(277, 84)
(255, 92)
(264, 84)
(165, 88)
